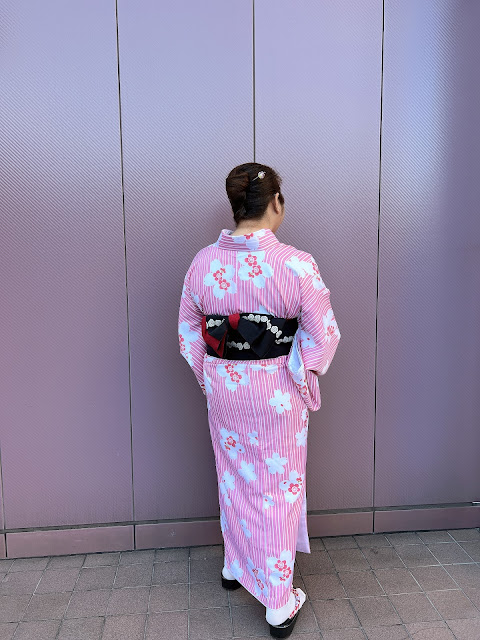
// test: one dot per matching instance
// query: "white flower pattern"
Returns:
(229, 441)
(247, 471)
(227, 483)
(276, 463)
(220, 277)
(281, 401)
(258, 574)
(293, 486)
(233, 374)
(281, 568)
(254, 268)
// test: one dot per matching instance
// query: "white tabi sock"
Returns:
(277, 616)
(227, 574)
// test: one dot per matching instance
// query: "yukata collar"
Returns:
(257, 240)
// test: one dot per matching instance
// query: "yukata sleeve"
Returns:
(319, 333)
(192, 345)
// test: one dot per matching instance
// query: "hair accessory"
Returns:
(261, 175)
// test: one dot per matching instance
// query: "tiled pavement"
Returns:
(421, 585)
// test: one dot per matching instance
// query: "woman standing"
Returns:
(257, 327)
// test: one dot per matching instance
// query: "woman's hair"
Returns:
(250, 198)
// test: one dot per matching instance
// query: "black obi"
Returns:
(248, 336)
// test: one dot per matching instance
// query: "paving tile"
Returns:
(172, 597)
(372, 540)
(394, 632)
(449, 552)
(206, 570)
(324, 586)
(125, 628)
(146, 556)
(241, 597)
(472, 548)
(102, 559)
(375, 611)
(315, 562)
(170, 572)
(416, 555)
(95, 578)
(433, 578)
(453, 604)
(435, 536)
(334, 614)
(339, 542)
(306, 622)
(57, 580)
(167, 626)
(7, 629)
(169, 555)
(12, 608)
(414, 607)
(343, 634)
(20, 582)
(349, 560)
(81, 629)
(430, 631)
(29, 564)
(66, 562)
(465, 535)
(316, 544)
(397, 580)
(37, 630)
(360, 583)
(473, 594)
(250, 620)
(206, 624)
(208, 594)
(84, 604)
(383, 557)
(6, 563)
(133, 575)
(201, 553)
(465, 575)
(128, 600)
(47, 606)
(468, 629)
(403, 537)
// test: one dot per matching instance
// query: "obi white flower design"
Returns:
(253, 436)
(229, 441)
(281, 401)
(245, 529)
(281, 569)
(236, 569)
(261, 587)
(185, 337)
(223, 521)
(293, 486)
(227, 483)
(267, 501)
(276, 463)
(234, 375)
(247, 471)
(263, 366)
(251, 240)
(330, 325)
(220, 278)
(254, 268)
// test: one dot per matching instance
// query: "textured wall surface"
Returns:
(120, 124)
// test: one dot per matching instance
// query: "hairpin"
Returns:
(261, 175)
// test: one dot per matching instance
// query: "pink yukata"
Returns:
(258, 410)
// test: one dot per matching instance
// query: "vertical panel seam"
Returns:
(126, 269)
(378, 263)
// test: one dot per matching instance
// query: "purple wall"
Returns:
(371, 118)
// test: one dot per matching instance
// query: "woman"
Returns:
(257, 328)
